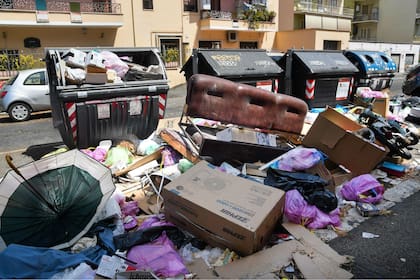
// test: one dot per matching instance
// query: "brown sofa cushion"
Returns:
(219, 99)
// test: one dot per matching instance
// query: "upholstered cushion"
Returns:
(236, 103)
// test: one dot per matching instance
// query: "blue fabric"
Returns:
(19, 261)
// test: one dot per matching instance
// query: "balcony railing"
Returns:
(62, 6)
(310, 7)
(216, 14)
(366, 17)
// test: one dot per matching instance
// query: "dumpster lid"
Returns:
(324, 62)
(236, 62)
(371, 61)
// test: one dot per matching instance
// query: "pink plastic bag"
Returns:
(159, 256)
(298, 159)
(112, 61)
(298, 211)
(363, 188)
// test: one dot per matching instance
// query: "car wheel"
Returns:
(19, 112)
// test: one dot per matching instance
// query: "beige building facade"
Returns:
(175, 27)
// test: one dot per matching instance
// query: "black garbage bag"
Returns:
(311, 187)
(324, 200)
(286, 181)
(127, 240)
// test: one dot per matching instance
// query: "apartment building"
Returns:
(176, 27)
(389, 26)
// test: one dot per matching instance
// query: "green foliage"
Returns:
(19, 62)
(172, 55)
(256, 15)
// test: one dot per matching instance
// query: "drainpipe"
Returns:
(132, 20)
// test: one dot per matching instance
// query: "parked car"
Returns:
(411, 84)
(24, 93)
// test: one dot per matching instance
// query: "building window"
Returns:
(190, 5)
(334, 3)
(170, 48)
(147, 4)
(209, 44)
(248, 45)
(331, 45)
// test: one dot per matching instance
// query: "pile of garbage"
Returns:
(175, 206)
(105, 66)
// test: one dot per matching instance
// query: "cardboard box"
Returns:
(96, 78)
(381, 106)
(332, 134)
(222, 209)
(247, 136)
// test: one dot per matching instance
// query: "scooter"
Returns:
(390, 133)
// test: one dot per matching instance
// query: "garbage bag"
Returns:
(298, 211)
(160, 256)
(304, 182)
(127, 240)
(363, 188)
(322, 219)
(324, 200)
(311, 187)
(298, 159)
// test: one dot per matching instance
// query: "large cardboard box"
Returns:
(332, 133)
(222, 209)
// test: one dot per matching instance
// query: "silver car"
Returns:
(24, 93)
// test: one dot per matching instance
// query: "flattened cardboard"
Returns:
(314, 258)
(332, 134)
(246, 135)
(223, 209)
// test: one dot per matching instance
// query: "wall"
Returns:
(285, 15)
(164, 19)
(309, 39)
(396, 21)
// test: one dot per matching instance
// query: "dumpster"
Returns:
(376, 69)
(247, 66)
(320, 78)
(105, 93)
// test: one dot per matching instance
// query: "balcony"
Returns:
(222, 20)
(25, 13)
(62, 6)
(302, 7)
(358, 18)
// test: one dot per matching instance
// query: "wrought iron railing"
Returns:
(62, 6)
(311, 7)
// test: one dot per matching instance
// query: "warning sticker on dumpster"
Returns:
(342, 89)
(135, 107)
(103, 111)
(264, 85)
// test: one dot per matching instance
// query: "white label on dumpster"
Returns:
(135, 107)
(265, 85)
(82, 94)
(342, 89)
(103, 111)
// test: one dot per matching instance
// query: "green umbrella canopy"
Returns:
(56, 203)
